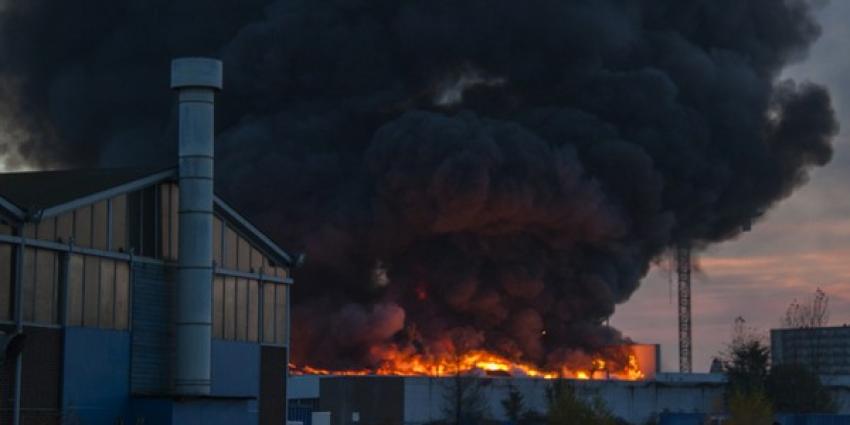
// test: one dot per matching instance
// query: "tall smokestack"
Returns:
(196, 81)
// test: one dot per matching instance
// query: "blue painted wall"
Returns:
(201, 411)
(235, 369)
(96, 375)
(215, 412)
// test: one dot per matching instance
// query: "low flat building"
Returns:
(825, 350)
(398, 400)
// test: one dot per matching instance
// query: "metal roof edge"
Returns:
(261, 237)
(106, 194)
(12, 210)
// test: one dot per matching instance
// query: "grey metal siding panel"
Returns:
(152, 334)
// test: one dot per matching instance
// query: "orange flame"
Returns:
(396, 362)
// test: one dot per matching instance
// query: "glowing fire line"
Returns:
(395, 363)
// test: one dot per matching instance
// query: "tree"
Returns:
(514, 405)
(746, 361)
(566, 408)
(464, 404)
(808, 315)
(750, 408)
(794, 388)
(811, 314)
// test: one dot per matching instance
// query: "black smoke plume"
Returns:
(499, 171)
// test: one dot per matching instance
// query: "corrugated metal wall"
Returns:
(152, 335)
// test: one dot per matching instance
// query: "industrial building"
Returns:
(825, 350)
(140, 295)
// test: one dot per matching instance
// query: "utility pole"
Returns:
(683, 269)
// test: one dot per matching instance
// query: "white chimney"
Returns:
(196, 81)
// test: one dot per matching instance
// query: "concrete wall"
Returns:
(96, 376)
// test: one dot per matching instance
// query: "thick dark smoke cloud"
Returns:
(486, 172)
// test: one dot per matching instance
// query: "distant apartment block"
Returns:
(825, 350)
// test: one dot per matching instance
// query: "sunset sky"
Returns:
(802, 244)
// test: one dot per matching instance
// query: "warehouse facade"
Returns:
(90, 274)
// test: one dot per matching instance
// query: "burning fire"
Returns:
(396, 362)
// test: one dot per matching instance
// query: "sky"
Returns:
(801, 245)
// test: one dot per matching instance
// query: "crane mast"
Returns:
(683, 270)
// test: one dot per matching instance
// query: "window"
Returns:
(5, 282)
(142, 220)
(253, 310)
(242, 309)
(280, 314)
(118, 205)
(234, 252)
(236, 309)
(46, 286)
(169, 206)
(98, 292)
(65, 227)
(100, 225)
(82, 227)
(268, 313)
(28, 285)
(40, 289)
(5, 228)
(174, 220)
(75, 290)
(122, 295)
(243, 254)
(29, 231)
(229, 248)
(257, 260)
(46, 229)
(274, 313)
(106, 296)
(218, 307)
(217, 241)
(229, 308)
(91, 290)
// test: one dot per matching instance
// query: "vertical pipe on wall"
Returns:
(19, 324)
(196, 81)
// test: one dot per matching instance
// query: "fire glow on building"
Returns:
(627, 362)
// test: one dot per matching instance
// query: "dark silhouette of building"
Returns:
(825, 350)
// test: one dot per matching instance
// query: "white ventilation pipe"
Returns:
(196, 81)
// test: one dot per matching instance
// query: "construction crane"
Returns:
(683, 270)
